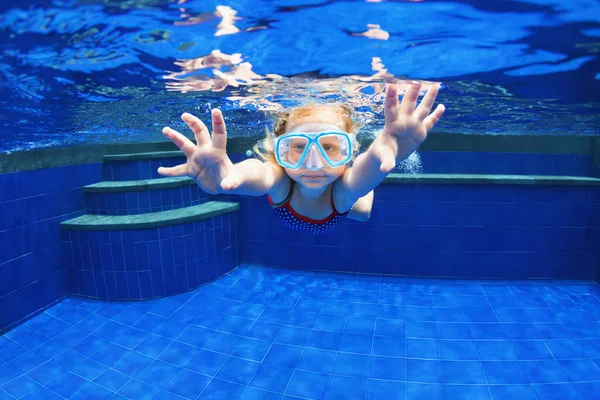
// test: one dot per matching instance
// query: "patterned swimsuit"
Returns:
(297, 222)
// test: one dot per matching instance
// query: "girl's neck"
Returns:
(310, 193)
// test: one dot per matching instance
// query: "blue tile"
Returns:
(67, 384)
(559, 391)
(344, 387)
(46, 373)
(580, 370)
(153, 345)
(264, 330)
(390, 327)
(68, 359)
(390, 346)
(91, 391)
(495, 350)
(503, 372)
(195, 336)
(11, 351)
(388, 368)
(27, 362)
(20, 386)
(324, 340)
(566, 349)
(420, 329)
(531, 349)
(222, 342)
(109, 354)
(362, 344)
(463, 372)
(427, 371)
(380, 389)
(457, 350)
(89, 369)
(218, 389)
(308, 384)
(589, 390)
(138, 389)
(424, 391)
(132, 363)
(178, 354)
(317, 360)
(352, 365)
(283, 355)
(188, 384)
(293, 335)
(467, 392)
(238, 370)
(547, 371)
(274, 378)
(452, 330)
(158, 373)
(112, 380)
(520, 331)
(257, 394)
(251, 349)
(422, 348)
(486, 331)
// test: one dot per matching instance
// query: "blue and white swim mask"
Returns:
(313, 147)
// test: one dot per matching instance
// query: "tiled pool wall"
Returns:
(448, 230)
(464, 231)
(455, 162)
(33, 274)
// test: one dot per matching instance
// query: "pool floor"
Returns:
(262, 333)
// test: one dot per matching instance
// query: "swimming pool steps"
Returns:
(137, 185)
(142, 156)
(93, 222)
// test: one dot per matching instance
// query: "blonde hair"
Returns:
(282, 124)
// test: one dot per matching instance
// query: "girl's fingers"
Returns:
(180, 141)
(219, 137)
(179, 170)
(434, 117)
(200, 130)
(409, 101)
(426, 104)
(390, 110)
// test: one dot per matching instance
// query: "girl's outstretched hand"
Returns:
(207, 160)
(406, 125)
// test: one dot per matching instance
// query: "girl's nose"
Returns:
(314, 160)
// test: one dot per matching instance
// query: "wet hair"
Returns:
(283, 119)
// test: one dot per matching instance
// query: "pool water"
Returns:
(263, 333)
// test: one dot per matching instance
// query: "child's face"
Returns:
(323, 176)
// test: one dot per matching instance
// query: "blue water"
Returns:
(260, 333)
(107, 71)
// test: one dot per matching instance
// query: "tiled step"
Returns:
(142, 156)
(90, 222)
(150, 255)
(142, 196)
(138, 166)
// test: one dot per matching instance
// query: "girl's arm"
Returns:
(406, 127)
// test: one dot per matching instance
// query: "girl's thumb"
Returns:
(229, 183)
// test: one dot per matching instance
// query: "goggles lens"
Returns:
(292, 149)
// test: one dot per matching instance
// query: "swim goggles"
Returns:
(313, 147)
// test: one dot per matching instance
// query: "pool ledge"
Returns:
(150, 220)
(475, 179)
(393, 178)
